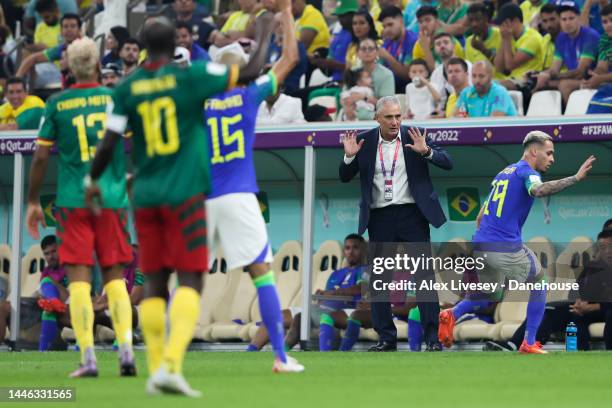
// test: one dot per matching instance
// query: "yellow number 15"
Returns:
(498, 194)
(151, 114)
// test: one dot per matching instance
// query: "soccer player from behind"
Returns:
(74, 121)
(162, 105)
(498, 239)
(235, 221)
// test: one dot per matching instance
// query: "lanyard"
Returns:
(382, 160)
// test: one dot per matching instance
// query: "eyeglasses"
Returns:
(367, 49)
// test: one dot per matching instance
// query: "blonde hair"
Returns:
(83, 58)
(536, 137)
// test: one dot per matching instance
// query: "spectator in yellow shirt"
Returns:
(240, 23)
(48, 32)
(457, 74)
(311, 27)
(485, 40)
(22, 111)
(429, 26)
(521, 47)
(549, 18)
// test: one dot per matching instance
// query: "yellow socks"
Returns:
(121, 311)
(82, 316)
(184, 314)
(153, 322)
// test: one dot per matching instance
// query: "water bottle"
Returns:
(571, 341)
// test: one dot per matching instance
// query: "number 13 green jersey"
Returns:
(74, 121)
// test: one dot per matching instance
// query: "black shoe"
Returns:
(436, 346)
(383, 346)
(499, 346)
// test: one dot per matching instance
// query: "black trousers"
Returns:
(404, 223)
(556, 319)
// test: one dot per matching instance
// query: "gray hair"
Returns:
(387, 100)
(536, 137)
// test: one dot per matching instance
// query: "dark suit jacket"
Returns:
(417, 170)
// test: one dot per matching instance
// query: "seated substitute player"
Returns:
(162, 105)
(74, 120)
(235, 222)
(498, 239)
(342, 282)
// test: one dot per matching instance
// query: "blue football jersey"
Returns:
(230, 121)
(508, 204)
(342, 278)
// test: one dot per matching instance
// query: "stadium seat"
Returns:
(233, 310)
(517, 98)
(287, 267)
(215, 286)
(509, 315)
(318, 78)
(402, 330)
(596, 330)
(454, 248)
(578, 101)
(473, 329)
(545, 251)
(573, 258)
(303, 81)
(32, 265)
(326, 260)
(545, 103)
(546, 254)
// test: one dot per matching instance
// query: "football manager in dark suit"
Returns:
(398, 202)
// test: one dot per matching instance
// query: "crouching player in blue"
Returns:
(235, 223)
(498, 237)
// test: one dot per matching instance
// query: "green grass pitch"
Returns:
(402, 379)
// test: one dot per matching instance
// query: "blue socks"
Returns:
(351, 335)
(269, 306)
(48, 329)
(326, 332)
(251, 348)
(469, 306)
(535, 313)
(415, 335)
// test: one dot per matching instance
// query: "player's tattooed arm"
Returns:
(552, 187)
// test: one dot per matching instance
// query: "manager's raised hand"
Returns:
(351, 146)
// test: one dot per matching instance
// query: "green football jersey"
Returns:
(163, 107)
(74, 121)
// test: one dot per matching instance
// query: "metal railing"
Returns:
(17, 48)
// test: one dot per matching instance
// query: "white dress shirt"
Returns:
(285, 110)
(401, 190)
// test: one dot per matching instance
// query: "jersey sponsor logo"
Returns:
(149, 86)
(216, 69)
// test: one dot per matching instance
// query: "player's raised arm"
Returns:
(554, 186)
(263, 32)
(289, 57)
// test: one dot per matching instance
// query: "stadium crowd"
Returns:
(446, 58)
